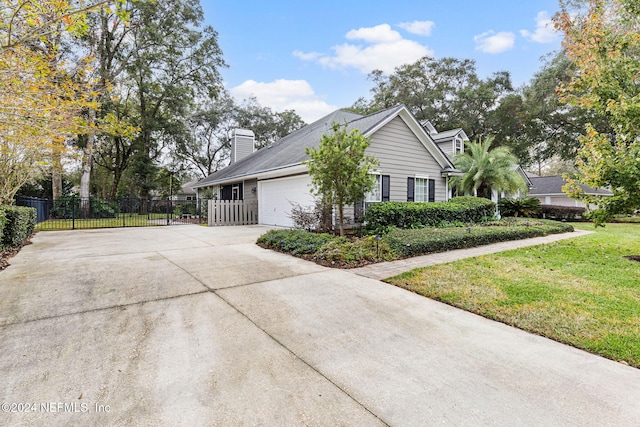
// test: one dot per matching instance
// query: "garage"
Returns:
(276, 195)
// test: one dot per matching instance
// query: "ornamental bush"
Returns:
(381, 217)
(296, 242)
(528, 207)
(17, 223)
(418, 242)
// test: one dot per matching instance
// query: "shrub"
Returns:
(3, 224)
(19, 224)
(355, 252)
(380, 217)
(561, 212)
(296, 242)
(526, 206)
(418, 242)
(67, 207)
(313, 218)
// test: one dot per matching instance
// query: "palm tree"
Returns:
(485, 170)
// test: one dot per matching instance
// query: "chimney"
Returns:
(242, 144)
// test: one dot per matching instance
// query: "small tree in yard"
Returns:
(340, 170)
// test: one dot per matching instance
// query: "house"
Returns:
(413, 167)
(548, 189)
(186, 192)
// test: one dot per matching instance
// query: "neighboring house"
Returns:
(548, 189)
(413, 167)
(187, 192)
(527, 180)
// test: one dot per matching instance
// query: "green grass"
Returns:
(627, 219)
(125, 220)
(581, 291)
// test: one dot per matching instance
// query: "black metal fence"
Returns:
(70, 212)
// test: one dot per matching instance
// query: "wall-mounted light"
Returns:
(253, 190)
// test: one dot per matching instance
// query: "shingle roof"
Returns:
(553, 185)
(290, 150)
(447, 134)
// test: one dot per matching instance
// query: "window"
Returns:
(458, 145)
(376, 194)
(421, 190)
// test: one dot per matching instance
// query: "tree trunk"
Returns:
(56, 173)
(341, 218)
(117, 175)
(87, 162)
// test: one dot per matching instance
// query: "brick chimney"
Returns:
(242, 144)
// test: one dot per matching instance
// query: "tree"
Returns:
(40, 98)
(604, 46)
(174, 61)
(446, 91)
(485, 169)
(105, 43)
(267, 125)
(206, 148)
(340, 169)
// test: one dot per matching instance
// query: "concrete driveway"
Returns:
(193, 326)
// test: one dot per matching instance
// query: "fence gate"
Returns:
(232, 212)
(70, 212)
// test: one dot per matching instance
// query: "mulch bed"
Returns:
(6, 254)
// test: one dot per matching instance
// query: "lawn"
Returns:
(581, 291)
(123, 220)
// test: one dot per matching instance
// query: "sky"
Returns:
(314, 57)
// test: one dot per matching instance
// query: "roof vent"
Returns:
(242, 144)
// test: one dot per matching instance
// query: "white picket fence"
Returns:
(232, 212)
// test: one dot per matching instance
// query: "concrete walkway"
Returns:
(385, 270)
(195, 326)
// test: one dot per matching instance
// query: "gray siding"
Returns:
(248, 194)
(241, 147)
(402, 155)
(447, 148)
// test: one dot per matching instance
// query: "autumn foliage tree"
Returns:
(40, 96)
(604, 45)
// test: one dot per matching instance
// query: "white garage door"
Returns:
(275, 197)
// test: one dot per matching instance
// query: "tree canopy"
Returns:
(604, 46)
(340, 169)
(41, 94)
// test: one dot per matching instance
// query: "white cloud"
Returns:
(306, 56)
(383, 49)
(544, 32)
(282, 94)
(492, 42)
(421, 28)
(379, 34)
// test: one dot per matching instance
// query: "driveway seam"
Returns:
(215, 292)
(313, 368)
(111, 307)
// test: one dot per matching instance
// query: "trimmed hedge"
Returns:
(380, 217)
(19, 224)
(418, 242)
(561, 212)
(296, 242)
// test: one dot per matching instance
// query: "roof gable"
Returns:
(543, 185)
(290, 150)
